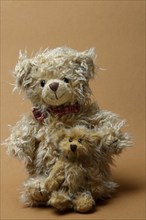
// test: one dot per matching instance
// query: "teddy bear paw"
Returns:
(60, 201)
(83, 203)
(51, 185)
(34, 193)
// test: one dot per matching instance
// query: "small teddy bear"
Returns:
(56, 81)
(75, 180)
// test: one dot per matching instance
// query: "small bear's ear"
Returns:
(22, 71)
(85, 63)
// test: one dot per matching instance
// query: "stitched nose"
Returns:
(73, 147)
(54, 86)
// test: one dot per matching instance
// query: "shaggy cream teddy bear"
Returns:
(57, 83)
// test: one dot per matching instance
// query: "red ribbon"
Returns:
(57, 110)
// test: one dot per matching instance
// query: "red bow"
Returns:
(57, 110)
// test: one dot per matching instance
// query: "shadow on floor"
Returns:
(129, 186)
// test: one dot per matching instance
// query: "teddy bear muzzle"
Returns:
(73, 147)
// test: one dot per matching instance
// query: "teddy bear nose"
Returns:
(73, 147)
(54, 86)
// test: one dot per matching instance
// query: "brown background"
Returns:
(116, 30)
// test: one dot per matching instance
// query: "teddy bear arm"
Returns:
(22, 143)
(115, 143)
(56, 177)
(112, 139)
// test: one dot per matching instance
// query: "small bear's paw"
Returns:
(112, 139)
(83, 202)
(51, 185)
(60, 201)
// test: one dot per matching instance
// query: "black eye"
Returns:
(70, 140)
(66, 80)
(79, 140)
(42, 83)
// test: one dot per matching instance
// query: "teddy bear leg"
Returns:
(83, 202)
(34, 192)
(60, 200)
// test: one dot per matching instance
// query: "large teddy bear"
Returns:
(57, 83)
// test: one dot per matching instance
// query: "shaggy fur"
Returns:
(60, 78)
(75, 179)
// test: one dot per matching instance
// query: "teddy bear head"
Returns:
(56, 77)
(78, 143)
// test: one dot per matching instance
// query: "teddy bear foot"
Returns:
(60, 200)
(83, 202)
(34, 193)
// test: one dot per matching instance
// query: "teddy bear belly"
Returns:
(75, 178)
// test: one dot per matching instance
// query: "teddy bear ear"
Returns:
(22, 56)
(85, 63)
(91, 53)
(22, 71)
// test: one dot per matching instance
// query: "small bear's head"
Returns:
(56, 77)
(78, 143)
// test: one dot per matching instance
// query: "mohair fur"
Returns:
(37, 143)
(75, 180)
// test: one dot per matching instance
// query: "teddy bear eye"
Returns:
(70, 139)
(42, 83)
(79, 140)
(66, 80)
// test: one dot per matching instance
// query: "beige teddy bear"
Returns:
(75, 180)
(57, 83)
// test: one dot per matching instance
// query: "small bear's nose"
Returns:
(73, 147)
(54, 86)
